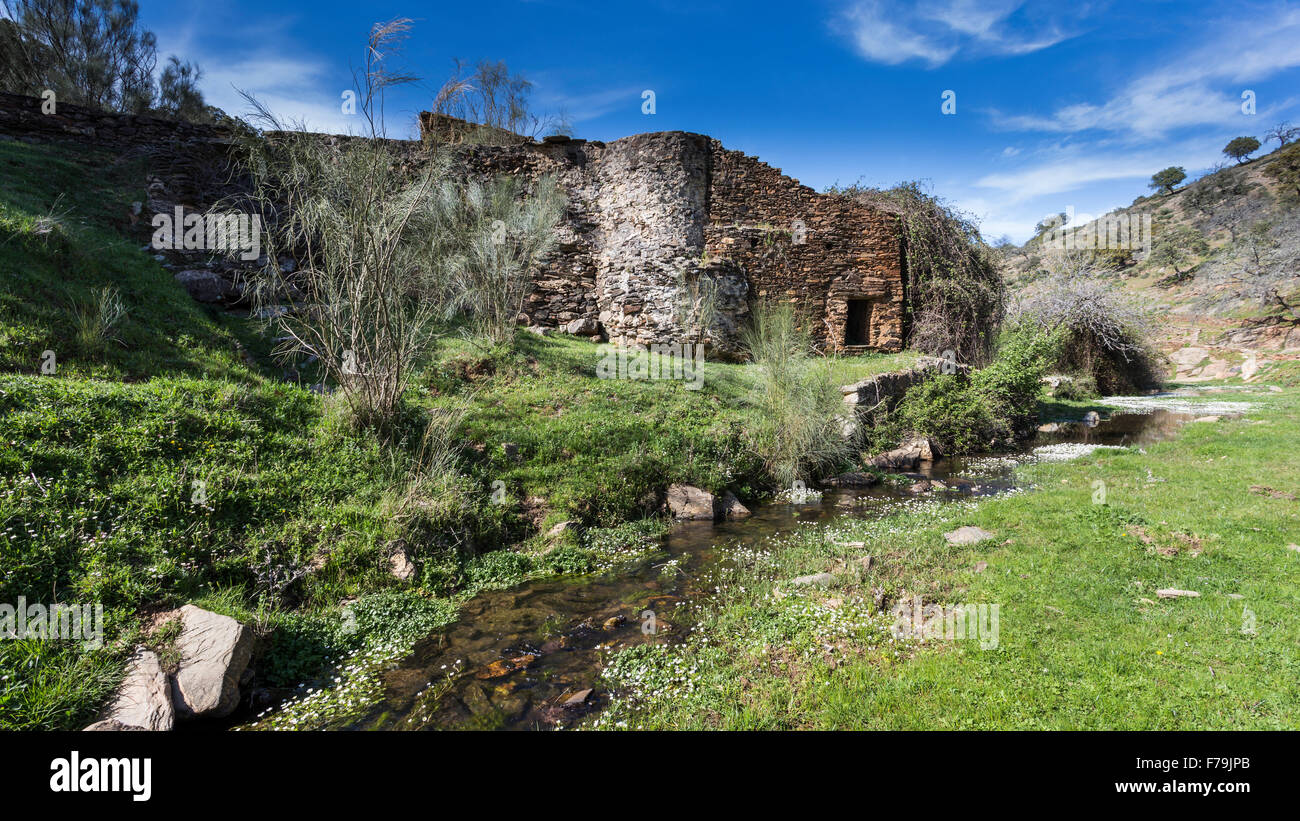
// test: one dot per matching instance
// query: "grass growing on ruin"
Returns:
(1085, 642)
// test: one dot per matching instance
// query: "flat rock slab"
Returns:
(144, 700)
(1175, 593)
(967, 535)
(214, 651)
(819, 579)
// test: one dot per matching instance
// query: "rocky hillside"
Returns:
(1223, 270)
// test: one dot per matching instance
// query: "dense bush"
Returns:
(970, 412)
(1100, 332)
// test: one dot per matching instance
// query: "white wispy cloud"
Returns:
(936, 31)
(582, 106)
(1202, 87)
(1057, 177)
(294, 84)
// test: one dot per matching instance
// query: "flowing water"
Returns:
(530, 656)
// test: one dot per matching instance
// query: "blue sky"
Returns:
(1059, 106)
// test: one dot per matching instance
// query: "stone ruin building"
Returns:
(657, 222)
(656, 225)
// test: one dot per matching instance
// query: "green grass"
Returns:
(158, 467)
(1085, 643)
(63, 213)
(594, 448)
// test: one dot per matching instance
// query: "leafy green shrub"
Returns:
(972, 412)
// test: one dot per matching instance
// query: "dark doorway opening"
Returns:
(857, 326)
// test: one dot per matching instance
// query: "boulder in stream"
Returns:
(690, 502)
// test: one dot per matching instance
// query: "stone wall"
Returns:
(188, 161)
(813, 250)
(657, 226)
(659, 221)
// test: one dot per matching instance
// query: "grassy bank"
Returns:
(1085, 642)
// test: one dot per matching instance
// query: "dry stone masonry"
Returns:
(658, 227)
(659, 223)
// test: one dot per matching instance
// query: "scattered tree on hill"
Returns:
(1176, 246)
(93, 53)
(1220, 184)
(1284, 133)
(1257, 242)
(1240, 148)
(1166, 180)
(1285, 168)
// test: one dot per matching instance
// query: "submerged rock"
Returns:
(854, 479)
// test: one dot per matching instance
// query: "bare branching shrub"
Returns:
(496, 101)
(490, 237)
(1104, 331)
(956, 296)
(356, 220)
(800, 424)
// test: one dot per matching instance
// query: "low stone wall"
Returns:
(880, 394)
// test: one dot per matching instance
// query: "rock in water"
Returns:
(144, 700)
(688, 502)
(905, 457)
(967, 535)
(854, 479)
(214, 651)
(732, 508)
